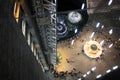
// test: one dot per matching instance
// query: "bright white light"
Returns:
(74, 17)
(92, 34)
(76, 30)
(115, 67)
(97, 25)
(108, 71)
(110, 2)
(102, 26)
(98, 76)
(110, 31)
(84, 75)
(83, 6)
(119, 39)
(110, 45)
(72, 42)
(88, 72)
(93, 68)
(102, 42)
(61, 22)
(24, 27)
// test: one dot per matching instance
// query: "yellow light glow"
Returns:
(16, 10)
(91, 52)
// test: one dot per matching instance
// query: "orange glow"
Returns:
(63, 64)
(16, 10)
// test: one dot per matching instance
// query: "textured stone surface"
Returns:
(17, 62)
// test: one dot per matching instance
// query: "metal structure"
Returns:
(46, 20)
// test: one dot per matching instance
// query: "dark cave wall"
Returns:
(17, 62)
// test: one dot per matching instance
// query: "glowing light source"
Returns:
(74, 17)
(92, 49)
(84, 75)
(115, 67)
(76, 30)
(88, 72)
(91, 36)
(102, 42)
(72, 42)
(83, 6)
(110, 31)
(108, 71)
(98, 76)
(97, 25)
(102, 26)
(93, 68)
(110, 45)
(16, 10)
(110, 2)
(61, 22)
(119, 39)
(24, 28)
